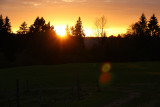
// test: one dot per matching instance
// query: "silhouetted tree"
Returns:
(153, 27)
(79, 29)
(1, 22)
(23, 29)
(7, 43)
(1, 33)
(43, 46)
(48, 28)
(67, 31)
(135, 29)
(100, 24)
(38, 26)
(143, 25)
(139, 28)
(7, 25)
(79, 33)
(72, 28)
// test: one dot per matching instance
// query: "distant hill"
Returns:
(91, 41)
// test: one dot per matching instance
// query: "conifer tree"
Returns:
(153, 27)
(38, 26)
(143, 25)
(79, 29)
(79, 33)
(7, 25)
(67, 31)
(23, 29)
(1, 22)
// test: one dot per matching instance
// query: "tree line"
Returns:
(40, 44)
(144, 28)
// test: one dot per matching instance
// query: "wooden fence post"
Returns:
(27, 86)
(78, 86)
(17, 94)
(41, 97)
(98, 87)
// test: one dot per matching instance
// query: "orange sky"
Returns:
(119, 13)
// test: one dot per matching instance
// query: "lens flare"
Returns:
(105, 76)
(106, 67)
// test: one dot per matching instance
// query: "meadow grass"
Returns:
(131, 84)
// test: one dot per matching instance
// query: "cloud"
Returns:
(21, 3)
(137, 1)
(107, 1)
(38, 3)
(67, 0)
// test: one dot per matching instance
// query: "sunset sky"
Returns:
(119, 13)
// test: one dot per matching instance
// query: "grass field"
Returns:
(76, 85)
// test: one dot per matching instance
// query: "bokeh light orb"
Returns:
(105, 78)
(106, 67)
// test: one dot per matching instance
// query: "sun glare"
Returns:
(115, 31)
(60, 30)
(88, 32)
(105, 76)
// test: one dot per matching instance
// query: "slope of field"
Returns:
(77, 85)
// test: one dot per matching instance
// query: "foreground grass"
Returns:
(131, 84)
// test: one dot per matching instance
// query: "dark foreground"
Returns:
(77, 85)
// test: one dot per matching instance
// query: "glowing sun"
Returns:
(88, 32)
(60, 30)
